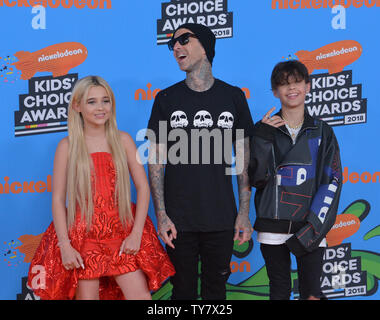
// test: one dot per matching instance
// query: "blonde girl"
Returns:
(102, 245)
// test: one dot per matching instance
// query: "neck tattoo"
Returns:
(200, 79)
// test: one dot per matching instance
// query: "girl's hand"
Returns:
(131, 244)
(70, 257)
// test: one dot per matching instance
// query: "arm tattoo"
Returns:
(156, 172)
(243, 150)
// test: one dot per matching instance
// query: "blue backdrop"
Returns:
(45, 49)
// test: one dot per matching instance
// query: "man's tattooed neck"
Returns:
(200, 79)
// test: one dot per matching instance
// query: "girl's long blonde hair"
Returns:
(79, 189)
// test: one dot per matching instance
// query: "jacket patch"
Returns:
(295, 199)
(323, 200)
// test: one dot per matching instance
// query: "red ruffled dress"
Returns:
(99, 248)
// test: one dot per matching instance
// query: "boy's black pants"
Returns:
(278, 264)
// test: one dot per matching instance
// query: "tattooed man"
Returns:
(193, 127)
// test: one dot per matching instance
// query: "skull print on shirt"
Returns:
(225, 120)
(178, 119)
(203, 119)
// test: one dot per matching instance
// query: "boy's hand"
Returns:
(275, 121)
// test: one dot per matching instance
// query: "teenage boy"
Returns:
(194, 201)
(295, 167)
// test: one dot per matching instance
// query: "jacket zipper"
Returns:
(298, 135)
(276, 184)
(276, 216)
(290, 226)
(291, 163)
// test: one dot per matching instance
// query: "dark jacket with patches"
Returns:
(297, 186)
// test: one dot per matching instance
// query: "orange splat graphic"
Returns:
(334, 57)
(29, 245)
(345, 226)
(59, 59)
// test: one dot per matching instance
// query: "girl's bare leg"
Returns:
(87, 290)
(134, 285)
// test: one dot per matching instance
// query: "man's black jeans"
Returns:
(213, 250)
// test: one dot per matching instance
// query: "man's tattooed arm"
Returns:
(156, 174)
(243, 226)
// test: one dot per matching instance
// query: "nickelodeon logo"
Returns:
(318, 4)
(364, 177)
(345, 226)
(67, 4)
(17, 187)
(149, 94)
(348, 222)
(334, 57)
(58, 58)
(244, 266)
(141, 94)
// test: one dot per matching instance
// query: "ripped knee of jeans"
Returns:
(225, 273)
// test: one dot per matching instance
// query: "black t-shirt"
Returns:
(201, 127)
